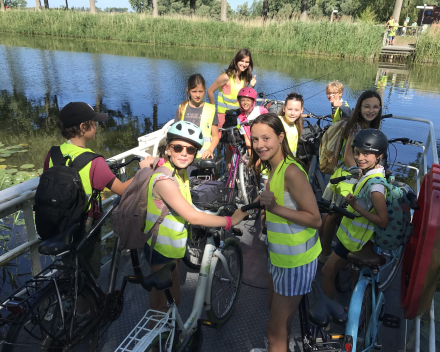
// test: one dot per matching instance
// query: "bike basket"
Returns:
(141, 337)
(212, 195)
(306, 150)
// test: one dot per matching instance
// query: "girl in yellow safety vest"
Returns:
(184, 139)
(194, 109)
(368, 147)
(291, 117)
(292, 220)
(366, 114)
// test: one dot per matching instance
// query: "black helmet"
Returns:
(372, 140)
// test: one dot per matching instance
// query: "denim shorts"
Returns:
(157, 258)
(341, 251)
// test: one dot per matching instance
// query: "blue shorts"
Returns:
(293, 281)
(341, 251)
(157, 258)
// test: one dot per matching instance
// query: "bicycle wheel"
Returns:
(224, 293)
(250, 186)
(47, 323)
(343, 280)
(389, 270)
(195, 248)
(363, 340)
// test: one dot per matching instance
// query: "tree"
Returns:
(138, 5)
(223, 10)
(67, 5)
(397, 9)
(46, 4)
(265, 9)
(92, 6)
(2, 6)
(15, 4)
(304, 4)
(38, 5)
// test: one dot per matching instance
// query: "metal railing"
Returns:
(20, 197)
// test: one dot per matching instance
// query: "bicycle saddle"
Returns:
(325, 309)
(366, 257)
(60, 243)
(204, 163)
(161, 279)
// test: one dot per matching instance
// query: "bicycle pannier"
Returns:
(330, 147)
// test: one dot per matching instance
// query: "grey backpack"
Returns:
(130, 215)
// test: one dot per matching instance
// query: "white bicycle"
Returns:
(217, 292)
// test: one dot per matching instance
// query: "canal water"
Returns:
(139, 86)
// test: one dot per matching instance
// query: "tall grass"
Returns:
(342, 39)
(428, 47)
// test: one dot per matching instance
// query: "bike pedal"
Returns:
(207, 323)
(237, 232)
(391, 321)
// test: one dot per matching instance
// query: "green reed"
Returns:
(341, 39)
(428, 47)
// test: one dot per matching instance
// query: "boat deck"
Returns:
(247, 326)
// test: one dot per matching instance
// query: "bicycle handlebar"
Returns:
(386, 116)
(251, 206)
(117, 166)
(405, 141)
(412, 200)
(328, 207)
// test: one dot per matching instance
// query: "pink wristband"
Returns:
(228, 223)
(161, 162)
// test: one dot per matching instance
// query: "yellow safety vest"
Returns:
(290, 245)
(353, 234)
(345, 187)
(229, 102)
(208, 114)
(291, 135)
(72, 150)
(338, 113)
(172, 236)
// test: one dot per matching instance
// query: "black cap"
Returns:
(75, 113)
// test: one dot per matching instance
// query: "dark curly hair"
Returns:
(74, 131)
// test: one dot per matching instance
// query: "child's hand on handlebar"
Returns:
(267, 199)
(238, 216)
(351, 200)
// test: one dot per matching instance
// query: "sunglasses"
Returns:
(179, 148)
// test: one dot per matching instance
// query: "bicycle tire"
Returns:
(194, 342)
(195, 248)
(343, 280)
(221, 306)
(388, 273)
(44, 314)
(364, 320)
(251, 188)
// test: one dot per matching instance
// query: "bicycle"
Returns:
(169, 332)
(43, 313)
(313, 319)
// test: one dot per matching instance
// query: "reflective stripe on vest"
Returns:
(338, 113)
(290, 245)
(291, 135)
(206, 119)
(229, 101)
(172, 236)
(353, 234)
(72, 150)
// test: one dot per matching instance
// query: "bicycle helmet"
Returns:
(249, 93)
(186, 131)
(372, 140)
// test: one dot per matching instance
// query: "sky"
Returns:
(109, 3)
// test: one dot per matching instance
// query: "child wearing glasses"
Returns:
(184, 140)
(340, 108)
(366, 114)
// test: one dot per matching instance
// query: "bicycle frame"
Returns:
(237, 165)
(169, 321)
(366, 277)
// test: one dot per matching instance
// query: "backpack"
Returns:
(60, 200)
(330, 147)
(130, 215)
(399, 228)
(231, 120)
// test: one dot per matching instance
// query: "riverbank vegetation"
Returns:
(428, 47)
(342, 39)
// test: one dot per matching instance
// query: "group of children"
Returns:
(292, 214)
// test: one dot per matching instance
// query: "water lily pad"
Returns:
(2, 166)
(24, 144)
(40, 171)
(14, 147)
(1, 160)
(22, 151)
(5, 155)
(27, 166)
(11, 171)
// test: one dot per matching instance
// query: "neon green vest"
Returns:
(229, 102)
(74, 151)
(338, 113)
(290, 245)
(172, 236)
(291, 135)
(208, 113)
(353, 234)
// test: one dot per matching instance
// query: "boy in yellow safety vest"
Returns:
(340, 108)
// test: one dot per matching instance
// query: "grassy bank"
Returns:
(428, 47)
(340, 39)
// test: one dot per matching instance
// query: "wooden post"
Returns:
(37, 5)
(155, 11)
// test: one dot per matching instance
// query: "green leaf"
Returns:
(22, 151)
(5, 155)
(11, 171)
(27, 166)
(14, 147)
(1, 160)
